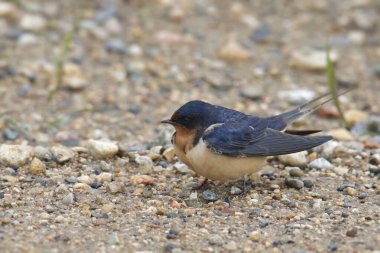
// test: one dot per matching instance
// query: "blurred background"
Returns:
(75, 70)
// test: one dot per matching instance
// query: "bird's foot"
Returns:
(201, 185)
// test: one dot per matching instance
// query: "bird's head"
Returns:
(191, 115)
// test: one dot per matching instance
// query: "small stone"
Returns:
(80, 187)
(42, 153)
(341, 134)
(114, 239)
(85, 179)
(15, 155)
(296, 172)
(320, 163)
(107, 208)
(354, 116)
(68, 199)
(193, 196)
(176, 13)
(333, 246)
(33, 23)
(298, 159)
(145, 163)
(116, 46)
(167, 37)
(62, 154)
(296, 97)
(215, 240)
(344, 186)
(135, 50)
(374, 170)
(362, 195)
(352, 232)
(350, 191)
(113, 26)
(232, 51)
(231, 246)
(7, 9)
(340, 170)
(183, 168)
(294, 183)
(142, 179)
(169, 154)
(115, 187)
(255, 236)
(252, 92)
(96, 185)
(74, 77)
(235, 190)
(173, 232)
(102, 149)
(36, 167)
(261, 34)
(313, 60)
(209, 196)
(104, 177)
(10, 134)
(8, 178)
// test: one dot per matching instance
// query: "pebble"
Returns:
(96, 185)
(85, 179)
(209, 196)
(36, 167)
(252, 92)
(116, 46)
(340, 170)
(231, 246)
(354, 116)
(115, 187)
(74, 78)
(352, 232)
(15, 155)
(113, 26)
(328, 148)
(10, 134)
(7, 9)
(68, 199)
(255, 236)
(215, 240)
(235, 190)
(344, 186)
(233, 51)
(362, 195)
(102, 149)
(320, 163)
(169, 154)
(173, 232)
(332, 246)
(313, 60)
(145, 163)
(183, 168)
(298, 159)
(296, 97)
(32, 23)
(104, 177)
(142, 179)
(27, 39)
(374, 170)
(296, 172)
(261, 34)
(79, 187)
(350, 191)
(341, 134)
(107, 208)
(294, 183)
(62, 154)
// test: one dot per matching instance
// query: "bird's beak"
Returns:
(168, 121)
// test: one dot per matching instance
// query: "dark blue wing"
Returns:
(239, 139)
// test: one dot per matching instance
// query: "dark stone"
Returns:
(375, 171)
(308, 183)
(344, 186)
(294, 183)
(333, 246)
(260, 34)
(362, 195)
(263, 224)
(352, 232)
(170, 247)
(70, 180)
(116, 46)
(10, 134)
(96, 185)
(173, 232)
(209, 196)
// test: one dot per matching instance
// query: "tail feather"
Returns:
(279, 122)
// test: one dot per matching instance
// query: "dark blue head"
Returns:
(191, 115)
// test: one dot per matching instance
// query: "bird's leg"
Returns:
(201, 185)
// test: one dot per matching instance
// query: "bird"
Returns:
(223, 144)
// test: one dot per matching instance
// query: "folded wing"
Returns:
(239, 139)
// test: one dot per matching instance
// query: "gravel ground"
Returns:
(91, 169)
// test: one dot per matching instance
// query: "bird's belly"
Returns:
(219, 167)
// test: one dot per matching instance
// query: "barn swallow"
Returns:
(223, 144)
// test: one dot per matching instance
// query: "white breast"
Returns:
(219, 167)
